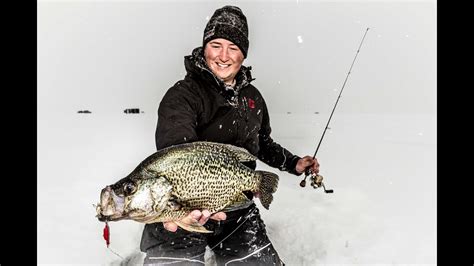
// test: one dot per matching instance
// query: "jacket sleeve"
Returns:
(271, 152)
(177, 117)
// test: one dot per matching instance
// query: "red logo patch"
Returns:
(251, 103)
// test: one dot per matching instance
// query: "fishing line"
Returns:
(247, 216)
(116, 253)
(176, 260)
(254, 252)
(316, 180)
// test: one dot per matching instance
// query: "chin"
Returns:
(225, 77)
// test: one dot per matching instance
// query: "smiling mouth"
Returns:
(223, 66)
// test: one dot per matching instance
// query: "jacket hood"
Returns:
(195, 65)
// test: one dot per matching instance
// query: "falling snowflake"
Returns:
(300, 39)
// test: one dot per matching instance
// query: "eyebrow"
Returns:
(216, 42)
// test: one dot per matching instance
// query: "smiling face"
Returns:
(224, 58)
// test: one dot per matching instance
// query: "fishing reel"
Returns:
(316, 181)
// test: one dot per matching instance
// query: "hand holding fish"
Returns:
(196, 216)
(307, 162)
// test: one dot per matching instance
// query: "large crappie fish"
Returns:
(173, 181)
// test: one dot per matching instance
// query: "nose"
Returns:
(224, 55)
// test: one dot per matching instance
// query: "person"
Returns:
(217, 102)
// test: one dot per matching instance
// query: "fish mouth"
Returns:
(103, 218)
(111, 206)
(109, 218)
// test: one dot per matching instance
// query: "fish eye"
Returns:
(129, 188)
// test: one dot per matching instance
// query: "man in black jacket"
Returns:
(216, 102)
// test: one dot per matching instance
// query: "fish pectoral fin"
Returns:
(192, 227)
(173, 204)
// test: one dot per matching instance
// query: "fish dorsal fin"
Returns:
(242, 154)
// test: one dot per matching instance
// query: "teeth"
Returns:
(222, 65)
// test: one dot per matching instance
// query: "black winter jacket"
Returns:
(200, 107)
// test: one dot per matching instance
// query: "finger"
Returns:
(170, 226)
(315, 171)
(220, 216)
(309, 161)
(192, 218)
(315, 167)
(205, 216)
(196, 215)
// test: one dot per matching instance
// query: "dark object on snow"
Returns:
(83, 112)
(132, 111)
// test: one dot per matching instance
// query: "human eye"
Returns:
(215, 45)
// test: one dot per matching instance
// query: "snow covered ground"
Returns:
(382, 170)
(379, 155)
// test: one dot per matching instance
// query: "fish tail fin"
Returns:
(268, 185)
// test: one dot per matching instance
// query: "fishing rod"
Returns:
(317, 180)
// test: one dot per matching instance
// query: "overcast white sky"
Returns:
(379, 156)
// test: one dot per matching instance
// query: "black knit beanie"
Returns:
(228, 23)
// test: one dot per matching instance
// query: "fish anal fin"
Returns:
(192, 227)
(241, 201)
